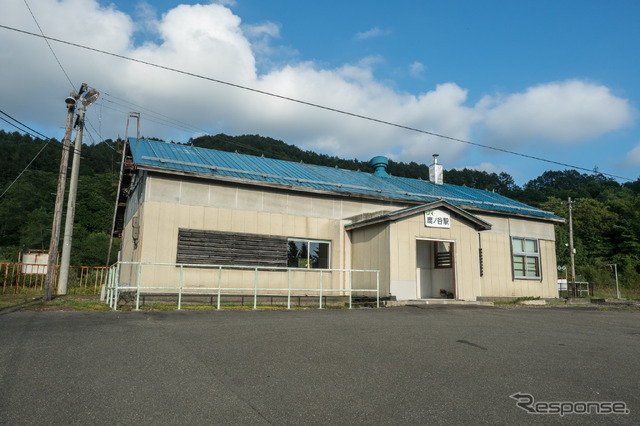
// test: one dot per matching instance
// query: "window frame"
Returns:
(526, 257)
(308, 242)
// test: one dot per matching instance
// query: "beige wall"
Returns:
(403, 259)
(498, 280)
(401, 270)
(370, 250)
(205, 193)
(130, 249)
(173, 203)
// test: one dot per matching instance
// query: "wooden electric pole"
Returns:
(85, 100)
(57, 212)
(571, 249)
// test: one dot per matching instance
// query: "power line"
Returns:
(46, 40)
(314, 105)
(178, 123)
(23, 125)
(25, 169)
(186, 126)
(22, 130)
(47, 140)
(174, 125)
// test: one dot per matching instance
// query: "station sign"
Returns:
(437, 219)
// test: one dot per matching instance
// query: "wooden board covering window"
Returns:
(230, 248)
(443, 255)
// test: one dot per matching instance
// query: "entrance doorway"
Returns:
(435, 272)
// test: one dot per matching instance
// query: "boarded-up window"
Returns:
(230, 248)
(444, 255)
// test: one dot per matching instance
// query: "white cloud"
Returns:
(210, 40)
(265, 29)
(228, 3)
(483, 167)
(417, 70)
(632, 159)
(559, 112)
(373, 32)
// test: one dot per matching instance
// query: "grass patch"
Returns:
(610, 293)
(20, 302)
(92, 303)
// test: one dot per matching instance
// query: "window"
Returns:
(526, 258)
(197, 246)
(308, 254)
(444, 257)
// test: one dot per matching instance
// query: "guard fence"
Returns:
(148, 278)
(29, 278)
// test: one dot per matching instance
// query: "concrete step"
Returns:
(421, 302)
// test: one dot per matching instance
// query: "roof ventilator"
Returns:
(379, 165)
(435, 171)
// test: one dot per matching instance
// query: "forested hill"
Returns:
(26, 209)
(272, 148)
(606, 215)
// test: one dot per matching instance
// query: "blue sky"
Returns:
(555, 80)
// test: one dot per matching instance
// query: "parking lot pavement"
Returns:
(404, 365)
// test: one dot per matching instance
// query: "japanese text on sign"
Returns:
(437, 219)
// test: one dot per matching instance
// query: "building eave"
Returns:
(479, 224)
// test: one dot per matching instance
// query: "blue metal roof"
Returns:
(184, 158)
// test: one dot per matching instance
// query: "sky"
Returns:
(554, 80)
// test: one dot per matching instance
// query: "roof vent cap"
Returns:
(379, 165)
(435, 171)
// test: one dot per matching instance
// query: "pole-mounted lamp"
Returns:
(86, 99)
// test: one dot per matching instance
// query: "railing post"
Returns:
(255, 290)
(180, 288)
(219, 284)
(350, 286)
(377, 289)
(320, 290)
(117, 284)
(289, 290)
(138, 286)
(110, 286)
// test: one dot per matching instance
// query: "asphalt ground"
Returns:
(409, 365)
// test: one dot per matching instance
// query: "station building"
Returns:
(180, 204)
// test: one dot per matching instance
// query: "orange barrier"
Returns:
(26, 278)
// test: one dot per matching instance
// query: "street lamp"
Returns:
(87, 99)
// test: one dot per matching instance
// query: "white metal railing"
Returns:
(114, 288)
(581, 287)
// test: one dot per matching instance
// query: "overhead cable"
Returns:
(46, 40)
(311, 104)
(47, 140)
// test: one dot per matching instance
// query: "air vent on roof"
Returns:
(435, 171)
(379, 165)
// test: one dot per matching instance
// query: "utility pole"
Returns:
(86, 100)
(571, 249)
(57, 212)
